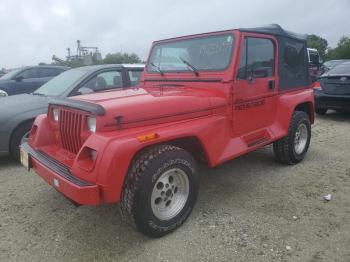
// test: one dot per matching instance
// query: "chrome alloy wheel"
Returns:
(300, 138)
(170, 194)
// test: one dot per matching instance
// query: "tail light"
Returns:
(317, 86)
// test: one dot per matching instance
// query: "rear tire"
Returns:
(292, 148)
(19, 136)
(320, 111)
(160, 190)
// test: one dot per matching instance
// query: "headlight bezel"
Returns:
(91, 124)
(55, 114)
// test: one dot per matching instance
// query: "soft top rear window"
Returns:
(208, 53)
(293, 65)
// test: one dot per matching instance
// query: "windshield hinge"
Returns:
(118, 120)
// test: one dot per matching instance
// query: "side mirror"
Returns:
(84, 91)
(250, 76)
(18, 78)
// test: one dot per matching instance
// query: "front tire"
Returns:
(292, 148)
(160, 190)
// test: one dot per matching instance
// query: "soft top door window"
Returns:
(257, 58)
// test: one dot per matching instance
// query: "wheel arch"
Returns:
(191, 144)
(20, 124)
(308, 108)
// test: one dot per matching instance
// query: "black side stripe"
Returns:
(171, 115)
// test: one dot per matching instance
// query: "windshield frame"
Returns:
(192, 37)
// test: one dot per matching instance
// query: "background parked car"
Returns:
(18, 112)
(27, 79)
(332, 63)
(332, 91)
(315, 63)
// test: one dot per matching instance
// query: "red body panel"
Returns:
(87, 195)
(227, 116)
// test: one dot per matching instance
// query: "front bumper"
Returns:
(326, 101)
(60, 178)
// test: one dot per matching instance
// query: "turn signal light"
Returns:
(147, 137)
(87, 158)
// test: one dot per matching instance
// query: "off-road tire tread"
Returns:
(131, 185)
(282, 147)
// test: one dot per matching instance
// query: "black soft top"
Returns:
(292, 56)
(274, 29)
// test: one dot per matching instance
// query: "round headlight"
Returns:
(91, 124)
(55, 114)
(3, 93)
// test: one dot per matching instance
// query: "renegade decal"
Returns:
(250, 104)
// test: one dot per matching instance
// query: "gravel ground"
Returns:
(249, 209)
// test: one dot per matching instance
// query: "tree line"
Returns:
(341, 51)
(110, 58)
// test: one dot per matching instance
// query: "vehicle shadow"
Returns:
(6, 162)
(335, 116)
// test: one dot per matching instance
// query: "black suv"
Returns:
(27, 79)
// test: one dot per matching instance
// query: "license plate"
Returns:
(25, 158)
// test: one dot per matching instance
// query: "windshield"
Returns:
(11, 74)
(342, 69)
(202, 54)
(60, 83)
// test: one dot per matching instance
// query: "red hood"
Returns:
(156, 105)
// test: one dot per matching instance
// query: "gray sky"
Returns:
(33, 30)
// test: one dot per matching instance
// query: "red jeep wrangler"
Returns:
(211, 96)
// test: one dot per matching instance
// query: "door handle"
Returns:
(271, 84)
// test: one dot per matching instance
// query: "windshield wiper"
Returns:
(158, 68)
(192, 67)
(38, 94)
